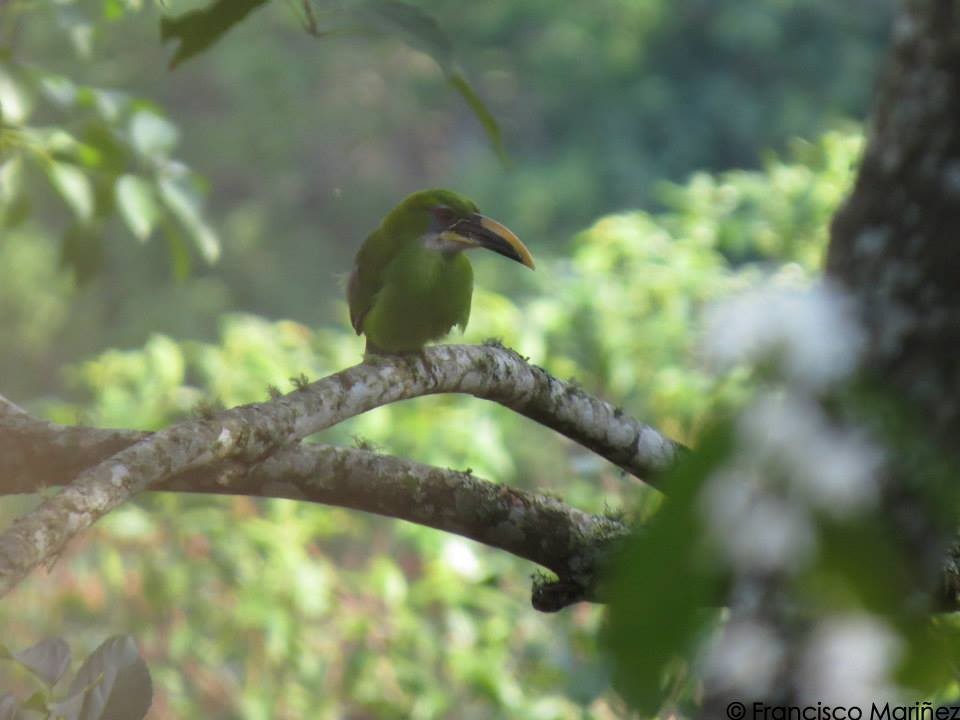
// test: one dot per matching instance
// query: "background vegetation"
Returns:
(661, 155)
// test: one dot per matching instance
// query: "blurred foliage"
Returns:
(277, 609)
(112, 683)
(105, 155)
(306, 144)
(197, 30)
(847, 561)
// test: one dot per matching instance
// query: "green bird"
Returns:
(411, 281)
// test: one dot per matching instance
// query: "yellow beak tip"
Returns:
(510, 238)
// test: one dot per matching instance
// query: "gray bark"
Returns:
(221, 450)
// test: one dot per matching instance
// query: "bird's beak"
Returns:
(480, 231)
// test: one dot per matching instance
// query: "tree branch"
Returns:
(36, 454)
(8, 408)
(573, 544)
(251, 433)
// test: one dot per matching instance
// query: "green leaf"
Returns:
(74, 187)
(59, 90)
(11, 180)
(14, 205)
(138, 205)
(81, 250)
(152, 134)
(118, 682)
(48, 659)
(36, 702)
(662, 584)
(109, 104)
(199, 29)
(68, 707)
(16, 212)
(64, 147)
(486, 118)
(421, 31)
(184, 203)
(181, 262)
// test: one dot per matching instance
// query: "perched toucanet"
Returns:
(411, 281)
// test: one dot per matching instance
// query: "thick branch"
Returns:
(35, 454)
(254, 432)
(573, 544)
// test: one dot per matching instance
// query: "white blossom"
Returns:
(460, 557)
(849, 659)
(744, 659)
(753, 527)
(811, 333)
(835, 469)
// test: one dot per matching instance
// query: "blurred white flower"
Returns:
(811, 332)
(833, 468)
(744, 659)
(754, 528)
(848, 660)
(459, 556)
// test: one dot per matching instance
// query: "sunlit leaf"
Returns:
(65, 147)
(138, 205)
(118, 682)
(109, 104)
(165, 360)
(15, 101)
(152, 134)
(48, 659)
(74, 187)
(116, 9)
(184, 202)
(199, 29)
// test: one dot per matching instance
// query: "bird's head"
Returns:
(450, 222)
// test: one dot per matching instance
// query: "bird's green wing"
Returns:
(367, 277)
(461, 290)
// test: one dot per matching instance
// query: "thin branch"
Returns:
(9, 408)
(253, 432)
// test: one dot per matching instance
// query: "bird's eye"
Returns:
(445, 216)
